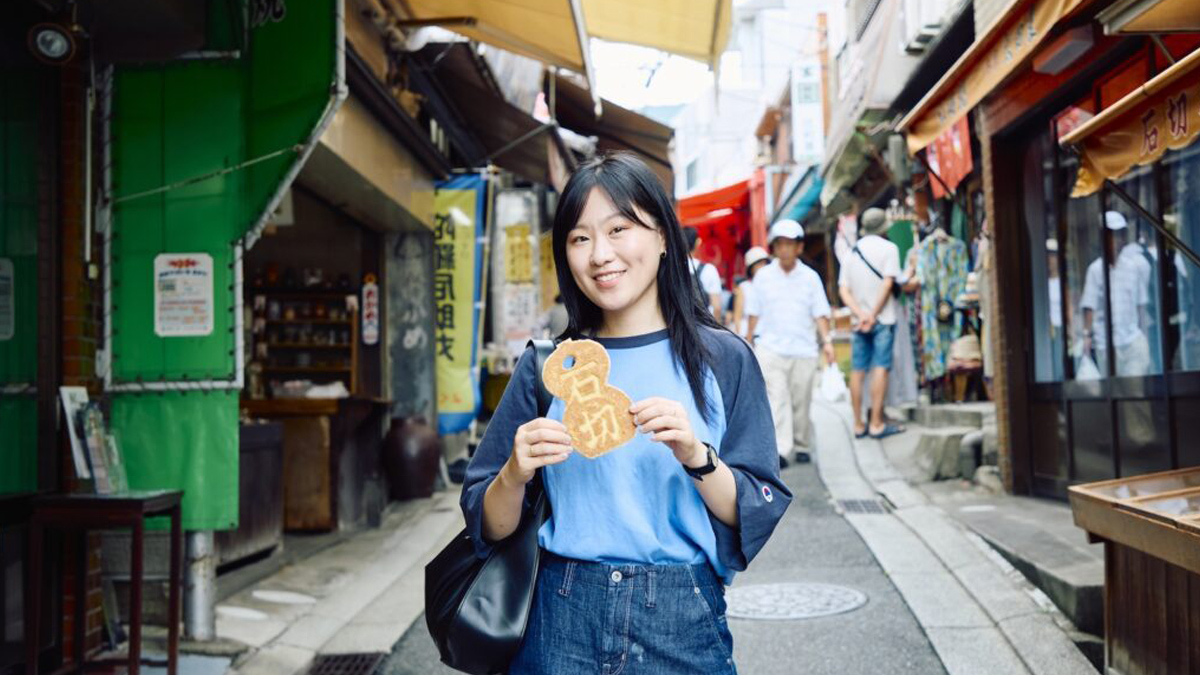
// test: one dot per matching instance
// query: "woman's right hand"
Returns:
(540, 442)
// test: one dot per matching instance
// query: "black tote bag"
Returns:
(477, 609)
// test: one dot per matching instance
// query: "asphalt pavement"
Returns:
(813, 543)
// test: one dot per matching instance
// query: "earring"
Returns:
(663, 255)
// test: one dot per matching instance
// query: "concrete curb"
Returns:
(977, 613)
(366, 593)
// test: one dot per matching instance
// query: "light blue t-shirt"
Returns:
(635, 504)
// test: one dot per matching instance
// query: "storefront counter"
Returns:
(331, 462)
(1150, 527)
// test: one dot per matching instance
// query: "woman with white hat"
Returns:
(743, 296)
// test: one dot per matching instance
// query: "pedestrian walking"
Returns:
(708, 279)
(865, 284)
(651, 531)
(743, 298)
(788, 314)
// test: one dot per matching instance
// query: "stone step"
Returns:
(1039, 538)
(952, 414)
(937, 453)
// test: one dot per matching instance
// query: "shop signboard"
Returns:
(515, 268)
(370, 311)
(986, 64)
(1161, 115)
(459, 234)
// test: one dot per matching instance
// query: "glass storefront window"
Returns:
(1084, 304)
(1181, 214)
(1042, 230)
(1133, 272)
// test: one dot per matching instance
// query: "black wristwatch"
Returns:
(703, 471)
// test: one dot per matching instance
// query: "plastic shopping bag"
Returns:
(1086, 369)
(833, 385)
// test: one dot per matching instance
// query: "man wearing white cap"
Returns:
(1131, 275)
(789, 311)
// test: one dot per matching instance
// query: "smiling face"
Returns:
(614, 260)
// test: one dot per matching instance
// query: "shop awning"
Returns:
(553, 30)
(998, 52)
(805, 194)
(709, 204)
(874, 76)
(493, 121)
(722, 217)
(1161, 115)
(1151, 16)
(616, 129)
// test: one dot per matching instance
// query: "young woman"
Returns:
(641, 540)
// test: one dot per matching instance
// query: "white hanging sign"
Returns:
(8, 300)
(370, 311)
(183, 295)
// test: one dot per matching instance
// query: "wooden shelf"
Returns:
(332, 322)
(301, 345)
(306, 369)
(306, 293)
(284, 407)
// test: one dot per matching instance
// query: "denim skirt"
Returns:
(606, 619)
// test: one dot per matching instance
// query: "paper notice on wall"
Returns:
(8, 301)
(183, 295)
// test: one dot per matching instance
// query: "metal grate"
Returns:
(862, 506)
(346, 664)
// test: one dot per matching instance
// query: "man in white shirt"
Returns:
(789, 311)
(865, 284)
(706, 274)
(1131, 279)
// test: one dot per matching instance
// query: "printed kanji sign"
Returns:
(370, 311)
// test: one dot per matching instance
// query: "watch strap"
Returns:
(700, 472)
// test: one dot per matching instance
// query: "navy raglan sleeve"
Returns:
(517, 406)
(748, 449)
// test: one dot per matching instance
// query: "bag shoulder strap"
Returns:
(871, 267)
(541, 351)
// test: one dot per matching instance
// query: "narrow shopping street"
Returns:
(812, 544)
(294, 291)
(937, 598)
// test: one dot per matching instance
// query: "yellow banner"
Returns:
(982, 68)
(1163, 114)
(455, 213)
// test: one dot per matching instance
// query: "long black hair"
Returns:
(633, 187)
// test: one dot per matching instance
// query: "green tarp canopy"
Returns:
(202, 149)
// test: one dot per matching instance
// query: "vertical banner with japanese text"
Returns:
(459, 220)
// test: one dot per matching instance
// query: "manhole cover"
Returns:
(346, 664)
(786, 602)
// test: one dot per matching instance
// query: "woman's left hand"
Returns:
(668, 421)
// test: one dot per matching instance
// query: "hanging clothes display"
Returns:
(942, 270)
